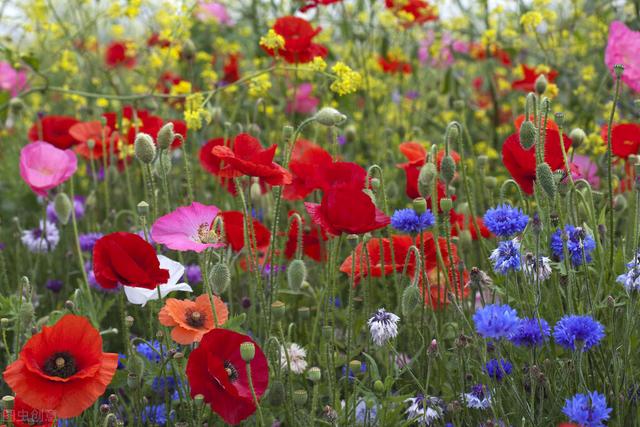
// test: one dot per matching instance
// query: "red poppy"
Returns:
(461, 222)
(528, 81)
(420, 10)
(375, 248)
(310, 4)
(62, 368)
(23, 415)
(479, 51)
(313, 168)
(55, 131)
(313, 239)
(155, 40)
(234, 231)
(216, 370)
(127, 259)
(393, 66)
(117, 54)
(249, 158)
(346, 209)
(167, 80)
(137, 121)
(521, 163)
(298, 37)
(102, 138)
(231, 69)
(625, 139)
(212, 164)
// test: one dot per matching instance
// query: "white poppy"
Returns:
(141, 296)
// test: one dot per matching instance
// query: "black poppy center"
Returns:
(231, 370)
(61, 365)
(195, 318)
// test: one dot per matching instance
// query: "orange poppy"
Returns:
(192, 319)
(62, 369)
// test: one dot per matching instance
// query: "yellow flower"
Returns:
(272, 40)
(181, 88)
(347, 81)
(318, 64)
(259, 86)
(531, 20)
(102, 102)
(194, 113)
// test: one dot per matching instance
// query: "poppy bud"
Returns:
(619, 203)
(62, 207)
(545, 178)
(490, 182)
(541, 84)
(378, 386)
(296, 274)
(135, 365)
(427, 174)
(410, 299)
(144, 148)
(452, 134)
(188, 49)
(577, 137)
(369, 402)
(162, 166)
(329, 117)
(276, 393)
(465, 238)
(300, 397)
(26, 312)
(448, 168)
(481, 162)
(420, 205)
(113, 399)
(4, 323)
(446, 204)
(247, 351)
(166, 135)
(220, 278)
(618, 69)
(527, 134)
(314, 374)
(278, 308)
(458, 105)
(151, 104)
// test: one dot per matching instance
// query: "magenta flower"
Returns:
(43, 166)
(304, 103)
(215, 11)
(11, 80)
(623, 48)
(584, 168)
(188, 228)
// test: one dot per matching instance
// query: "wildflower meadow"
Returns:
(319, 213)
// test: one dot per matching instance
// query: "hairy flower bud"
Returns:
(144, 148)
(330, 117)
(410, 299)
(220, 278)
(541, 84)
(577, 137)
(448, 168)
(166, 135)
(527, 134)
(62, 207)
(545, 177)
(162, 166)
(427, 175)
(296, 274)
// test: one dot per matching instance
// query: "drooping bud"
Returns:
(545, 178)
(453, 132)
(527, 134)
(410, 299)
(62, 207)
(162, 165)
(220, 278)
(296, 274)
(144, 148)
(427, 175)
(330, 117)
(247, 351)
(166, 135)
(541, 84)
(577, 137)
(448, 168)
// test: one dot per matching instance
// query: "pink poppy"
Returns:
(623, 48)
(215, 11)
(12, 80)
(188, 228)
(304, 102)
(583, 167)
(43, 166)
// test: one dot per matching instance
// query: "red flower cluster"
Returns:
(625, 139)
(118, 55)
(234, 231)
(55, 131)
(311, 4)
(217, 371)
(247, 157)
(127, 259)
(298, 37)
(527, 83)
(136, 121)
(392, 65)
(394, 261)
(313, 239)
(62, 369)
(420, 10)
(103, 138)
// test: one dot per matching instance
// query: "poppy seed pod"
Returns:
(410, 299)
(247, 351)
(62, 207)
(144, 148)
(448, 168)
(541, 84)
(446, 204)
(296, 274)
(314, 374)
(329, 117)
(420, 205)
(220, 277)
(8, 403)
(300, 397)
(527, 134)
(143, 208)
(278, 308)
(545, 178)
(166, 135)
(618, 69)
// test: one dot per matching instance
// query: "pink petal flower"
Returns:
(623, 48)
(216, 11)
(188, 228)
(12, 80)
(585, 169)
(305, 102)
(43, 166)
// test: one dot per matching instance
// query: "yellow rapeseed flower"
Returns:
(272, 40)
(347, 81)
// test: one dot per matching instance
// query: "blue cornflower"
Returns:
(363, 369)
(496, 321)
(575, 332)
(154, 414)
(587, 410)
(631, 279)
(531, 332)
(498, 369)
(578, 241)
(409, 221)
(121, 359)
(145, 350)
(506, 257)
(160, 384)
(505, 220)
(88, 241)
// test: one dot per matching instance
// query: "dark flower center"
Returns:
(195, 318)
(61, 365)
(231, 370)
